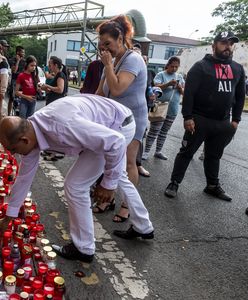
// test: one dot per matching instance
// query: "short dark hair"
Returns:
(19, 48)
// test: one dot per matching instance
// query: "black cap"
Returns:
(226, 36)
(4, 43)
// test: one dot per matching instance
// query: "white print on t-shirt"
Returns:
(225, 86)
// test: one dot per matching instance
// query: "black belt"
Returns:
(127, 121)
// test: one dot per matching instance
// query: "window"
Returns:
(170, 51)
(55, 45)
(73, 45)
(92, 48)
(51, 46)
(71, 62)
(150, 51)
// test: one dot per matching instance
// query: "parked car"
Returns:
(42, 81)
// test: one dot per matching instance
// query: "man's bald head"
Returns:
(17, 135)
(11, 128)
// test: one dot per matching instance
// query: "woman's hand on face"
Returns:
(106, 58)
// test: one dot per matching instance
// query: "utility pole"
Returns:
(82, 40)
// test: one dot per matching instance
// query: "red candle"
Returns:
(8, 268)
(28, 271)
(39, 295)
(6, 253)
(17, 222)
(37, 283)
(32, 239)
(26, 253)
(20, 277)
(27, 287)
(36, 217)
(7, 235)
(42, 269)
(14, 297)
(48, 289)
(37, 257)
(51, 274)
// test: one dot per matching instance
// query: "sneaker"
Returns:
(171, 190)
(159, 155)
(217, 192)
(69, 251)
(145, 155)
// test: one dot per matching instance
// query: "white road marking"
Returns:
(129, 282)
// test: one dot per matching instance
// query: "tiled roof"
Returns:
(172, 39)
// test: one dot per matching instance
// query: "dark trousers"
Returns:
(216, 135)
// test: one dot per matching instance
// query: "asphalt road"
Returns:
(200, 250)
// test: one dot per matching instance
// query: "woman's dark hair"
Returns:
(56, 61)
(171, 60)
(117, 26)
(35, 74)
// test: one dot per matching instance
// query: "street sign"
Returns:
(82, 49)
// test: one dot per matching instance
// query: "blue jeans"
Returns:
(27, 108)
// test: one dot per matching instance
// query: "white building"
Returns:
(67, 47)
(164, 46)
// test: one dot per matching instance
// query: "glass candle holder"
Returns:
(51, 274)
(19, 277)
(48, 289)
(14, 297)
(27, 287)
(8, 268)
(42, 269)
(24, 296)
(37, 283)
(10, 284)
(28, 271)
(6, 253)
(39, 295)
(7, 236)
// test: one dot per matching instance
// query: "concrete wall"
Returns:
(191, 55)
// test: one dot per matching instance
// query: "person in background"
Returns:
(214, 92)
(75, 76)
(96, 131)
(58, 87)
(4, 47)
(92, 77)
(27, 87)
(150, 98)
(4, 75)
(17, 64)
(124, 80)
(49, 75)
(246, 85)
(83, 74)
(172, 85)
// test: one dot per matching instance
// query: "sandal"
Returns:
(143, 172)
(109, 206)
(121, 218)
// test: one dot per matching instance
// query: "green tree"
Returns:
(6, 15)
(235, 15)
